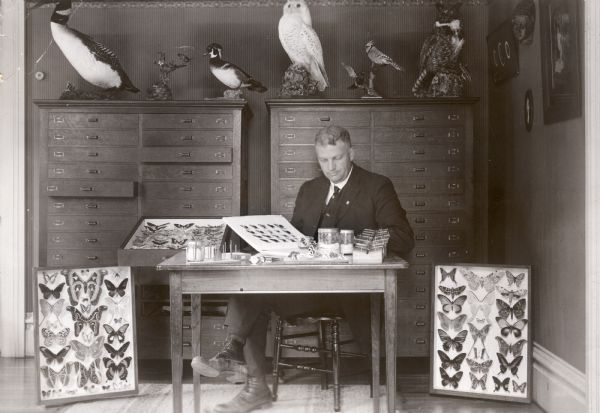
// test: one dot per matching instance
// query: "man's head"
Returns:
(334, 152)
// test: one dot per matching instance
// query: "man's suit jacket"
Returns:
(368, 201)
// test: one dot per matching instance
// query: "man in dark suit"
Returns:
(345, 196)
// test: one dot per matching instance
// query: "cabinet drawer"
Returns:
(428, 186)
(432, 203)
(195, 173)
(416, 116)
(393, 153)
(420, 273)
(187, 138)
(286, 206)
(92, 137)
(322, 118)
(307, 136)
(439, 254)
(62, 257)
(289, 188)
(414, 290)
(69, 120)
(126, 172)
(307, 153)
(187, 121)
(92, 206)
(428, 169)
(75, 223)
(109, 189)
(440, 237)
(85, 240)
(303, 170)
(449, 220)
(178, 190)
(89, 154)
(413, 345)
(217, 154)
(416, 136)
(186, 208)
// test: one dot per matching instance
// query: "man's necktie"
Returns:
(329, 217)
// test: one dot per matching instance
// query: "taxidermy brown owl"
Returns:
(300, 41)
(523, 21)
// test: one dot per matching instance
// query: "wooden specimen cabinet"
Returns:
(425, 146)
(102, 165)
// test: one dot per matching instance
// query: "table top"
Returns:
(178, 263)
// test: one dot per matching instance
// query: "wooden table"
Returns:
(280, 278)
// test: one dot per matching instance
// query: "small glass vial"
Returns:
(190, 251)
(329, 241)
(346, 241)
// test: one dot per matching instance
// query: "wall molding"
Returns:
(558, 387)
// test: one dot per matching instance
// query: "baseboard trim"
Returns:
(558, 387)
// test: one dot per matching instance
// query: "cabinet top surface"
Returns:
(273, 103)
(210, 103)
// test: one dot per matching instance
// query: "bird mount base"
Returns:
(297, 82)
(71, 92)
(160, 91)
(371, 93)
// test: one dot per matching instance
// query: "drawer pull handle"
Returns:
(420, 306)
(289, 118)
(186, 327)
(186, 188)
(187, 120)
(92, 257)
(420, 289)
(91, 240)
(219, 155)
(186, 344)
(290, 153)
(57, 240)
(93, 171)
(58, 205)
(86, 189)
(453, 169)
(453, 237)
(453, 116)
(218, 343)
(421, 254)
(453, 186)
(420, 273)
(59, 171)
(453, 220)
(452, 254)
(220, 189)
(453, 134)
(219, 172)
(221, 138)
(92, 137)
(221, 120)
(325, 119)
(418, 135)
(453, 203)
(290, 170)
(420, 186)
(218, 326)
(91, 206)
(420, 220)
(289, 204)
(59, 137)
(290, 136)
(93, 120)
(59, 154)
(187, 138)
(420, 204)
(419, 152)
(219, 206)
(419, 169)
(93, 154)
(58, 223)
(418, 117)
(453, 151)
(92, 223)
(52, 188)
(420, 323)
(420, 341)
(58, 119)
(57, 257)
(184, 154)
(187, 172)
(420, 237)
(187, 206)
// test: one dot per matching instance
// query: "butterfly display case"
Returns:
(481, 343)
(85, 340)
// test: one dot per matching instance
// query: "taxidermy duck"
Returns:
(92, 60)
(229, 74)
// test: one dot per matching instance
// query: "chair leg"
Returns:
(277, 356)
(335, 344)
(322, 355)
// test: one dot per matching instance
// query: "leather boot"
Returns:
(230, 360)
(254, 395)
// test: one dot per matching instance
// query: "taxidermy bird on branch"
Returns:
(95, 62)
(303, 47)
(230, 75)
(378, 58)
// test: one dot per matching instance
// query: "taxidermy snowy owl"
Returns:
(301, 42)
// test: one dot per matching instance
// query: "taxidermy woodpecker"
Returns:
(229, 74)
(93, 61)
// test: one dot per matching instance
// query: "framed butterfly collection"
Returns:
(481, 345)
(85, 339)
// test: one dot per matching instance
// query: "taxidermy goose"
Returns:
(93, 61)
(229, 74)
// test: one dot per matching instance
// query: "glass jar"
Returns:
(329, 241)
(347, 241)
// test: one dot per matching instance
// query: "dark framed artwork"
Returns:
(481, 346)
(85, 334)
(560, 60)
(503, 53)
(528, 110)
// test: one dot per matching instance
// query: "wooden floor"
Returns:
(17, 392)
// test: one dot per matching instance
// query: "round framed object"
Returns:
(528, 110)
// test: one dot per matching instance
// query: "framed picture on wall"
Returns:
(481, 342)
(560, 60)
(85, 334)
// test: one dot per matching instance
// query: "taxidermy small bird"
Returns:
(300, 41)
(358, 79)
(229, 74)
(93, 61)
(379, 58)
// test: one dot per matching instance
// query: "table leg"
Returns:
(176, 339)
(391, 310)
(375, 346)
(196, 350)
